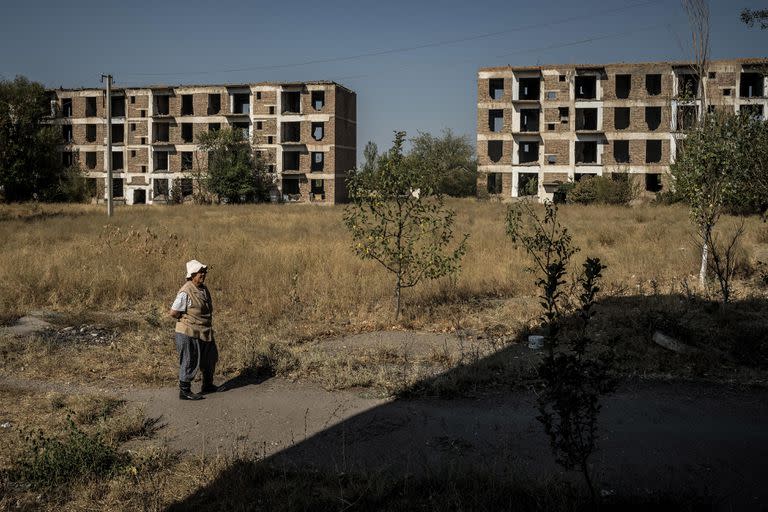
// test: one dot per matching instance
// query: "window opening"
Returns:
(653, 117)
(652, 151)
(318, 100)
(495, 150)
(495, 120)
(90, 106)
(496, 88)
(623, 86)
(586, 152)
(318, 131)
(214, 103)
(621, 151)
(621, 118)
(186, 105)
(586, 87)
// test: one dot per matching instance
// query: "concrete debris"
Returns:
(672, 344)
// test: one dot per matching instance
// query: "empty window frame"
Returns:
(318, 161)
(162, 131)
(551, 127)
(652, 151)
(270, 139)
(528, 152)
(564, 114)
(133, 153)
(751, 85)
(653, 84)
(529, 120)
(90, 159)
(162, 105)
(291, 131)
(527, 184)
(242, 129)
(712, 75)
(621, 151)
(494, 183)
(586, 87)
(185, 184)
(118, 133)
(187, 132)
(214, 104)
(117, 187)
(133, 100)
(186, 160)
(291, 102)
(529, 88)
(318, 131)
(187, 108)
(653, 117)
(118, 106)
(90, 133)
(259, 125)
(621, 118)
(291, 186)
(133, 127)
(241, 103)
(623, 86)
(66, 107)
(214, 127)
(561, 78)
(67, 159)
(496, 88)
(90, 106)
(290, 160)
(161, 161)
(66, 133)
(586, 152)
(727, 92)
(687, 85)
(258, 95)
(318, 100)
(653, 182)
(160, 187)
(117, 160)
(686, 116)
(551, 95)
(586, 119)
(495, 120)
(317, 187)
(551, 159)
(272, 110)
(495, 150)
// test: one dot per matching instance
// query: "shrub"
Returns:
(48, 461)
(618, 189)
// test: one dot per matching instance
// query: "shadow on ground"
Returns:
(688, 441)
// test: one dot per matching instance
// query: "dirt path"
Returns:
(655, 436)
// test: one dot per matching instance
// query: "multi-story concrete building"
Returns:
(305, 132)
(545, 125)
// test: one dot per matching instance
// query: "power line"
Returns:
(407, 48)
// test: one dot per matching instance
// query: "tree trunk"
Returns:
(704, 256)
(397, 297)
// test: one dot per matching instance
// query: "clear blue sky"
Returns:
(428, 86)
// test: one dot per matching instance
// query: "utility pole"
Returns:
(109, 144)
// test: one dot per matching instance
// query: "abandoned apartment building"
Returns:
(304, 132)
(542, 126)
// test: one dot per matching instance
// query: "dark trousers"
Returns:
(194, 354)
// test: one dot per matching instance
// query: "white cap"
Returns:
(194, 266)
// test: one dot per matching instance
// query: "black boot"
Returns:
(185, 392)
(208, 386)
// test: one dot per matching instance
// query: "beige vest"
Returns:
(197, 321)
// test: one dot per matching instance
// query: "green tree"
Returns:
(371, 155)
(30, 161)
(399, 219)
(572, 374)
(760, 16)
(717, 169)
(234, 173)
(452, 160)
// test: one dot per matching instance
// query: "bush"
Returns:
(618, 189)
(48, 461)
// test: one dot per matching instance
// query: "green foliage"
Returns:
(47, 461)
(760, 16)
(530, 185)
(451, 158)
(399, 219)
(234, 174)
(73, 186)
(30, 163)
(603, 190)
(371, 155)
(571, 377)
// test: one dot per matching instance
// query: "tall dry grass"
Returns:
(287, 274)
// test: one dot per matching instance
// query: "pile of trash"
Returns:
(93, 334)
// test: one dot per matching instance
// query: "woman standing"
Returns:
(193, 310)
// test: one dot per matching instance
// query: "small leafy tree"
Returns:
(398, 219)
(572, 378)
(715, 170)
(452, 160)
(30, 162)
(234, 173)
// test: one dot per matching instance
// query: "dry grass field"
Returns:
(284, 278)
(285, 283)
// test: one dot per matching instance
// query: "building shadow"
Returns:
(675, 429)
